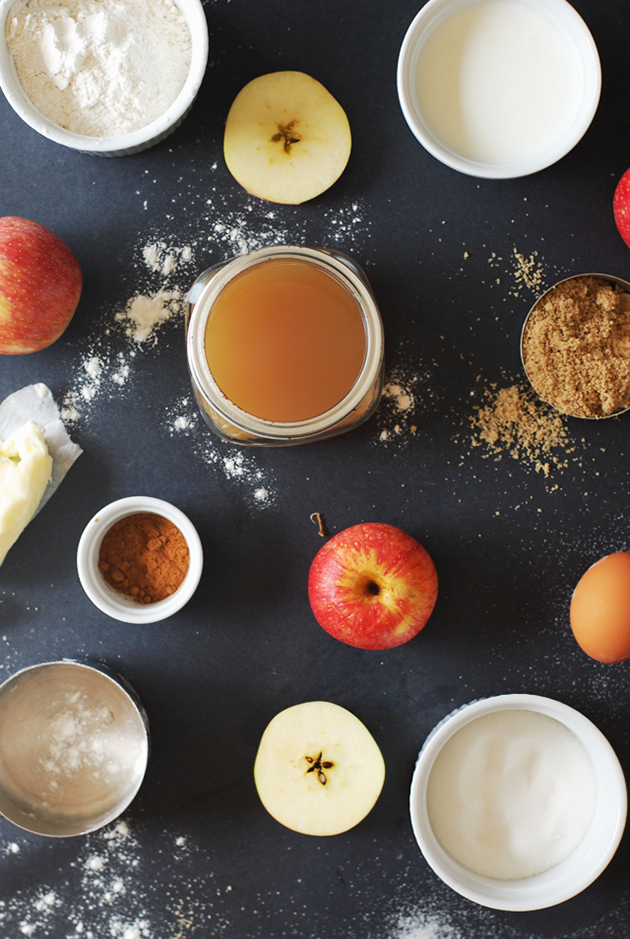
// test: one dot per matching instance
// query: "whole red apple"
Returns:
(621, 207)
(40, 286)
(372, 586)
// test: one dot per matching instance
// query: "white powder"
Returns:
(100, 67)
(238, 466)
(144, 313)
(80, 738)
(408, 393)
(511, 794)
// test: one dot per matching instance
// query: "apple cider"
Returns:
(284, 345)
(285, 340)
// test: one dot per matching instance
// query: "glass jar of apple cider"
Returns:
(285, 346)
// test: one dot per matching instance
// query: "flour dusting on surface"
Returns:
(164, 270)
(240, 465)
(408, 393)
(143, 314)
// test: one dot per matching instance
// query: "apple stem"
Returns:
(316, 519)
(286, 133)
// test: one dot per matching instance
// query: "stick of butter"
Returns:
(25, 468)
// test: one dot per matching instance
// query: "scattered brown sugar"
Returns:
(528, 272)
(576, 347)
(514, 422)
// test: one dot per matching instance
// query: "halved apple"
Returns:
(286, 138)
(318, 770)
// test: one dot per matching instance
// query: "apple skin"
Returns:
(40, 286)
(372, 586)
(621, 206)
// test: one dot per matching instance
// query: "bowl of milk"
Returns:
(498, 88)
(518, 802)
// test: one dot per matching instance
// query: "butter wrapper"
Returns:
(36, 403)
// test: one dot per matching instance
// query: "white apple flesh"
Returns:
(40, 286)
(318, 770)
(286, 138)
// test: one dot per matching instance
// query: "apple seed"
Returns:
(286, 133)
(320, 766)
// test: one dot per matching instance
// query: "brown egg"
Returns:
(600, 609)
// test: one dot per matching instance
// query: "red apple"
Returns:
(372, 586)
(621, 206)
(40, 286)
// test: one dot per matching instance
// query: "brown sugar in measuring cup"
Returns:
(144, 556)
(575, 346)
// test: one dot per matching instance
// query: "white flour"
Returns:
(142, 314)
(100, 67)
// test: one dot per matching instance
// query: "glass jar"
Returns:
(235, 424)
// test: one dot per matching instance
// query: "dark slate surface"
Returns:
(199, 856)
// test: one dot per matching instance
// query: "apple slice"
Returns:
(318, 769)
(372, 586)
(286, 138)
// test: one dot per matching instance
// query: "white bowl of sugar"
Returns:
(518, 802)
(498, 88)
(101, 77)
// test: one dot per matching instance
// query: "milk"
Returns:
(496, 82)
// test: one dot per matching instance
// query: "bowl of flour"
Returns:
(106, 77)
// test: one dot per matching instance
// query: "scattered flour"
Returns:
(407, 394)
(114, 889)
(422, 925)
(164, 269)
(241, 466)
(144, 314)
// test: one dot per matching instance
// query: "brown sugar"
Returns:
(514, 422)
(576, 347)
(144, 556)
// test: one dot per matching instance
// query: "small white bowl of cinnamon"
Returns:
(140, 559)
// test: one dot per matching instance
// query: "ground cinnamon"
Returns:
(144, 556)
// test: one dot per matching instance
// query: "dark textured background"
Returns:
(509, 545)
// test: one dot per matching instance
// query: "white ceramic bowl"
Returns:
(118, 605)
(124, 144)
(573, 874)
(74, 745)
(586, 87)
